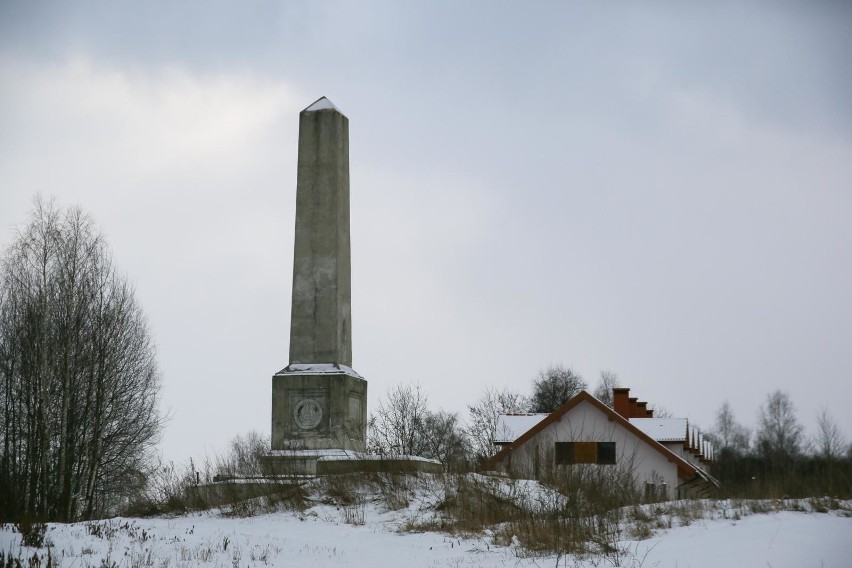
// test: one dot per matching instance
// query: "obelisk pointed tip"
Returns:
(322, 103)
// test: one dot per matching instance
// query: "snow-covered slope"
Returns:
(367, 534)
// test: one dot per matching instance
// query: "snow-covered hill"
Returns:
(366, 533)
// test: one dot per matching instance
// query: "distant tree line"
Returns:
(777, 460)
(79, 380)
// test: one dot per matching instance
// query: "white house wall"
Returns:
(586, 423)
(678, 449)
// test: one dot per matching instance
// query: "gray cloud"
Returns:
(662, 191)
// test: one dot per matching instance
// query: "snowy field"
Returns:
(327, 535)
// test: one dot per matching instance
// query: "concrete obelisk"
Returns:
(318, 401)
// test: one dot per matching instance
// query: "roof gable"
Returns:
(684, 467)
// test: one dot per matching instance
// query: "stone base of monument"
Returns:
(318, 407)
(286, 470)
(284, 463)
(230, 490)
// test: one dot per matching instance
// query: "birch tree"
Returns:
(829, 442)
(80, 382)
(728, 434)
(482, 418)
(603, 392)
(398, 425)
(779, 434)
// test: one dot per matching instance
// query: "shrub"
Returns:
(168, 490)
(32, 532)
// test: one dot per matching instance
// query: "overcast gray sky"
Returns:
(658, 189)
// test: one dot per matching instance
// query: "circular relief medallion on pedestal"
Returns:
(307, 414)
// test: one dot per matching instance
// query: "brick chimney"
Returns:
(632, 408)
(641, 410)
(621, 401)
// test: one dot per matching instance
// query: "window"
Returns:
(566, 453)
(606, 452)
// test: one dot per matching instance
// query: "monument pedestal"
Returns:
(290, 464)
(319, 422)
(319, 407)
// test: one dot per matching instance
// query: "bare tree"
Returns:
(603, 392)
(79, 373)
(445, 440)
(779, 434)
(661, 411)
(553, 387)
(482, 420)
(728, 434)
(829, 442)
(243, 457)
(398, 426)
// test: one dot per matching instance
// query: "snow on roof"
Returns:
(510, 427)
(662, 429)
(322, 103)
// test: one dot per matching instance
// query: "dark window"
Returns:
(606, 452)
(566, 453)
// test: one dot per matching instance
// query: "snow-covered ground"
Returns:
(369, 535)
